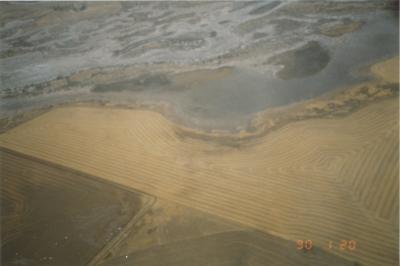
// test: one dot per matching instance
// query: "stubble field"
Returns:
(323, 179)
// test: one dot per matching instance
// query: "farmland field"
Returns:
(199, 133)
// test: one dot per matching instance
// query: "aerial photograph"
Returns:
(199, 133)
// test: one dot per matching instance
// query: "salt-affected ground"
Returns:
(318, 44)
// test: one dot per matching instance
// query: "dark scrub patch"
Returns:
(302, 62)
(259, 35)
(143, 82)
(284, 25)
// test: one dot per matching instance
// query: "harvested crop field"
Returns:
(229, 248)
(199, 133)
(52, 215)
(178, 235)
(313, 179)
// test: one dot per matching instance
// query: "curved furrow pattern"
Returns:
(319, 179)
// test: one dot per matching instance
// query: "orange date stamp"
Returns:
(342, 245)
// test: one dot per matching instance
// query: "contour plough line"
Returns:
(291, 184)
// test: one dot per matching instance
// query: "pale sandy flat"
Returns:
(320, 179)
(387, 70)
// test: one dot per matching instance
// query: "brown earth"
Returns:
(52, 215)
(239, 248)
(326, 179)
(340, 29)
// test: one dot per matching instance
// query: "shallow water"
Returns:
(229, 102)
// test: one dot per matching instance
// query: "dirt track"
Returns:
(229, 248)
(53, 216)
(324, 179)
(318, 179)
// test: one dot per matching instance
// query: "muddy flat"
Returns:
(279, 53)
(199, 133)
